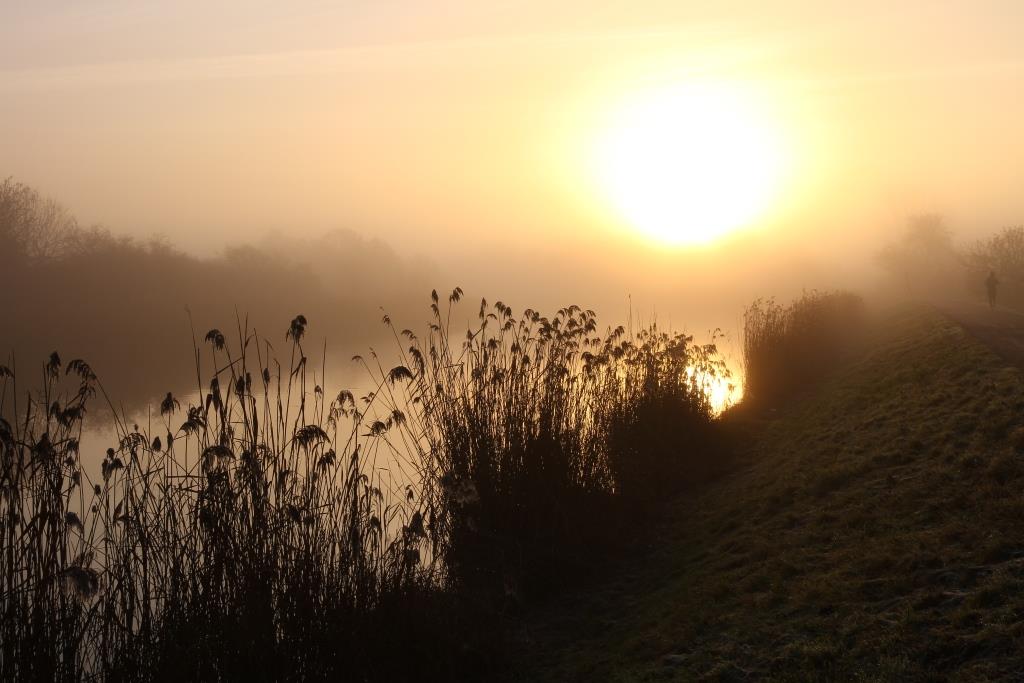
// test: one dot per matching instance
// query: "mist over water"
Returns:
(137, 310)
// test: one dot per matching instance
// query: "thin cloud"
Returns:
(340, 60)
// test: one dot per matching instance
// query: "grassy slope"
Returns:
(877, 533)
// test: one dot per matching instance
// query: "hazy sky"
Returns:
(451, 127)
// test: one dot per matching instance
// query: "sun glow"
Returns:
(690, 163)
(722, 391)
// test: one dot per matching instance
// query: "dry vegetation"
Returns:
(542, 432)
(245, 538)
(269, 531)
(786, 349)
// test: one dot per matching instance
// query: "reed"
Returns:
(539, 429)
(246, 538)
(270, 531)
(786, 348)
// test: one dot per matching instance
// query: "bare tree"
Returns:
(924, 257)
(33, 228)
(1003, 253)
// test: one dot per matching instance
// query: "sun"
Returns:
(689, 163)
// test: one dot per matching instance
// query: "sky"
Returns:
(464, 132)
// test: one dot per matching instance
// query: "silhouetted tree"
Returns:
(923, 260)
(121, 302)
(32, 227)
(1002, 253)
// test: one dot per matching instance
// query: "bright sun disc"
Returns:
(688, 164)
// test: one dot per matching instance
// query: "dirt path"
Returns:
(1000, 328)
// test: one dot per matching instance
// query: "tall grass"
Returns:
(246, 539)
(785, 348)
(269, 531)
(539, 429)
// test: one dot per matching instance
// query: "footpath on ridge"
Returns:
(999, 328)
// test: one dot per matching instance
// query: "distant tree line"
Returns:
(121, 301)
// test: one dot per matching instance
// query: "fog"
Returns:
(248, 162)
(257, 420)
(135, 309)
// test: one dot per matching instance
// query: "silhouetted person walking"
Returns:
(992, 284)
